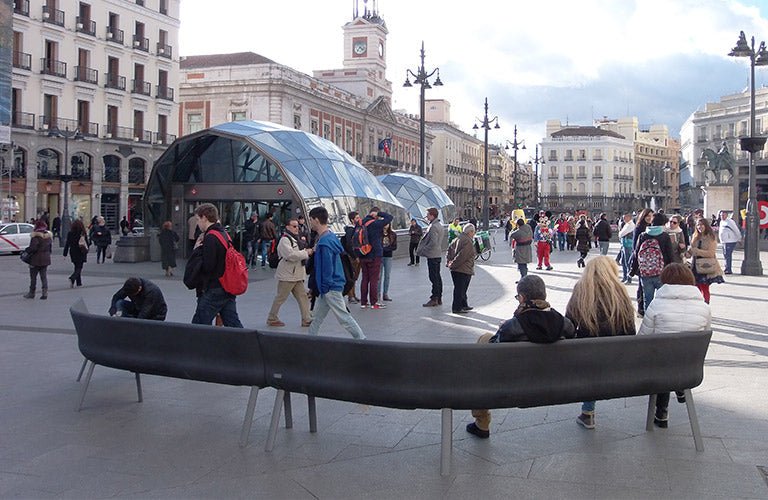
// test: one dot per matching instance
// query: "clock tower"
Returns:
(365, 55)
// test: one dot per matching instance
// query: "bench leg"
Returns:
(246, 430)
(288, 411)
(82, 369)
(85, 385)
(138, 387)
(694, 420)
(275, 420)
(651, 412)
(446, 441)
(312, 414)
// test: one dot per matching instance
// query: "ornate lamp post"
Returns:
(65, 177)
(485, 124)
(421, 78)
(515, 147)
(537, 160)
(751, 266)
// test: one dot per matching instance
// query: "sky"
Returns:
(658, 60)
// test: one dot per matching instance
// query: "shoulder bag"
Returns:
(704, 265)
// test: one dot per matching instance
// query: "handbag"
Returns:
(705, 265)
(109, 252)
(83, 244)
(26, 256)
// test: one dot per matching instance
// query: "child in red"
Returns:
(543, 237)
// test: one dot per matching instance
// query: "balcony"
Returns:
(23, 120)
(597, 158)
(164, 138)
(119, 133)
(144, 136)
(141, 87)
(114, 81)
(87, 75)
(115, 35)
(56, 123)
(89, 129)
(568, 158)
(86, 26)
(383, 160)
(140, 43)
(581, 158)
(164, 51)
(164, 93)
(21, 7)
(22, 60)
(53, 16)
(568, 176)
(597, 176)
(53, 67)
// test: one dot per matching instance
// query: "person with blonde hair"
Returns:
(599, 307)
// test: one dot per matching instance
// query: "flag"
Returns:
(385, 145)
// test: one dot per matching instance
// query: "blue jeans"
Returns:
(728, 254)
(650, 285)
(561, 240)
(603, 247)
(523, 268)
(333, 301)
(433, 266)
(386, 270)
(588, 406)
(263, 249)
(253, 249)
(216, 301)
(626, 255)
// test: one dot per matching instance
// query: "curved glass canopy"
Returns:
(315, 170)
(417, 194)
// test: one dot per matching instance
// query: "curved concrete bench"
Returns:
(467, 376)
(219, 355)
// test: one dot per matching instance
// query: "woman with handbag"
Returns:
(77, 248)
(102, 238)
(706, 268)
(169, 243)
(39, 250)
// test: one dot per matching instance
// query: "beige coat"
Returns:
(290, 267)
(708, 250)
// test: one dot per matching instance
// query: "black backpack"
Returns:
(273, 259)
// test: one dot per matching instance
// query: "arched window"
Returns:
(48, 164)
(598, 188)
(582, 188)
(19, 163)
(568, 188)
(81, 166)
(111, 168)
(553, 188)
(136, 168)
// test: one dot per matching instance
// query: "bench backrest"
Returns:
(195, 352)
(466, 376)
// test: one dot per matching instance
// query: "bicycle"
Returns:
(485, 244)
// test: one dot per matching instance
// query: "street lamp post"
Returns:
(751, 265)
(421, 78)
(515, 147)
(536, 161)
(486, 125)
(65, 177)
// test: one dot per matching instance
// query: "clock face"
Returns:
(359, 48)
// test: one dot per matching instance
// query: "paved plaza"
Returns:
(182, 441)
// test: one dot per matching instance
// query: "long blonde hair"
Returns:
(600, 303)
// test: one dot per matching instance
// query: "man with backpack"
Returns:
(291, 274)
(367, 244)
(349, 234)
(213, 299)
(653, 250)
(329, 277)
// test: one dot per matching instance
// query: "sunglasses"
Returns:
(673, 222)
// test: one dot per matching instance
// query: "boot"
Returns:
(44, 296)
(431, 303)
(30, 294)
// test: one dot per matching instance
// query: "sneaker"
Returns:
(411, 264)
(538, 267)
(378, 306)
(661, 419)
(586, 420)
(363, 306)
(387, 299)
(477, 431)
(466, 309)
(459, 311)
(549, 268)
(354, 300)
(430, 303)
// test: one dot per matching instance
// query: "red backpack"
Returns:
(235, 277)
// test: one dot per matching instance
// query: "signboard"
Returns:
(6, 69)
(762, 212)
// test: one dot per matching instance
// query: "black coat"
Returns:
(168, 238)
(100, 236)
(72, 247)
(40, 248)
(583, 240)
(602, 230)
(149, 301)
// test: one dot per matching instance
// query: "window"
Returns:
(327, 131)
(162, 129)
(553, 171)
(138, 125)
(582, 171)
(314, 128)
(83, 116)
(731, 130)
(81, 166)
(194, 123)
(237, 116)
(112, 121)
(553, 155)
(338, 137)
(297, 122)
(111, 168)
(553, 188)
(47, 164)
(50, 110)
(136, 171)
(582, 154)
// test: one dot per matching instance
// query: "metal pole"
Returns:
(65, 222)
(486, 126)
(536, 178)
(422, 145)
(514, 190)
(751, 265)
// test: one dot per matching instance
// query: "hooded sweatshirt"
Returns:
(328, 273)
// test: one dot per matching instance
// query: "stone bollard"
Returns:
(132, 249)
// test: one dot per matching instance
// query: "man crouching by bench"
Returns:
(139, 298)
(533, 321)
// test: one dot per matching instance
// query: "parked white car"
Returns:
(14, 236)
